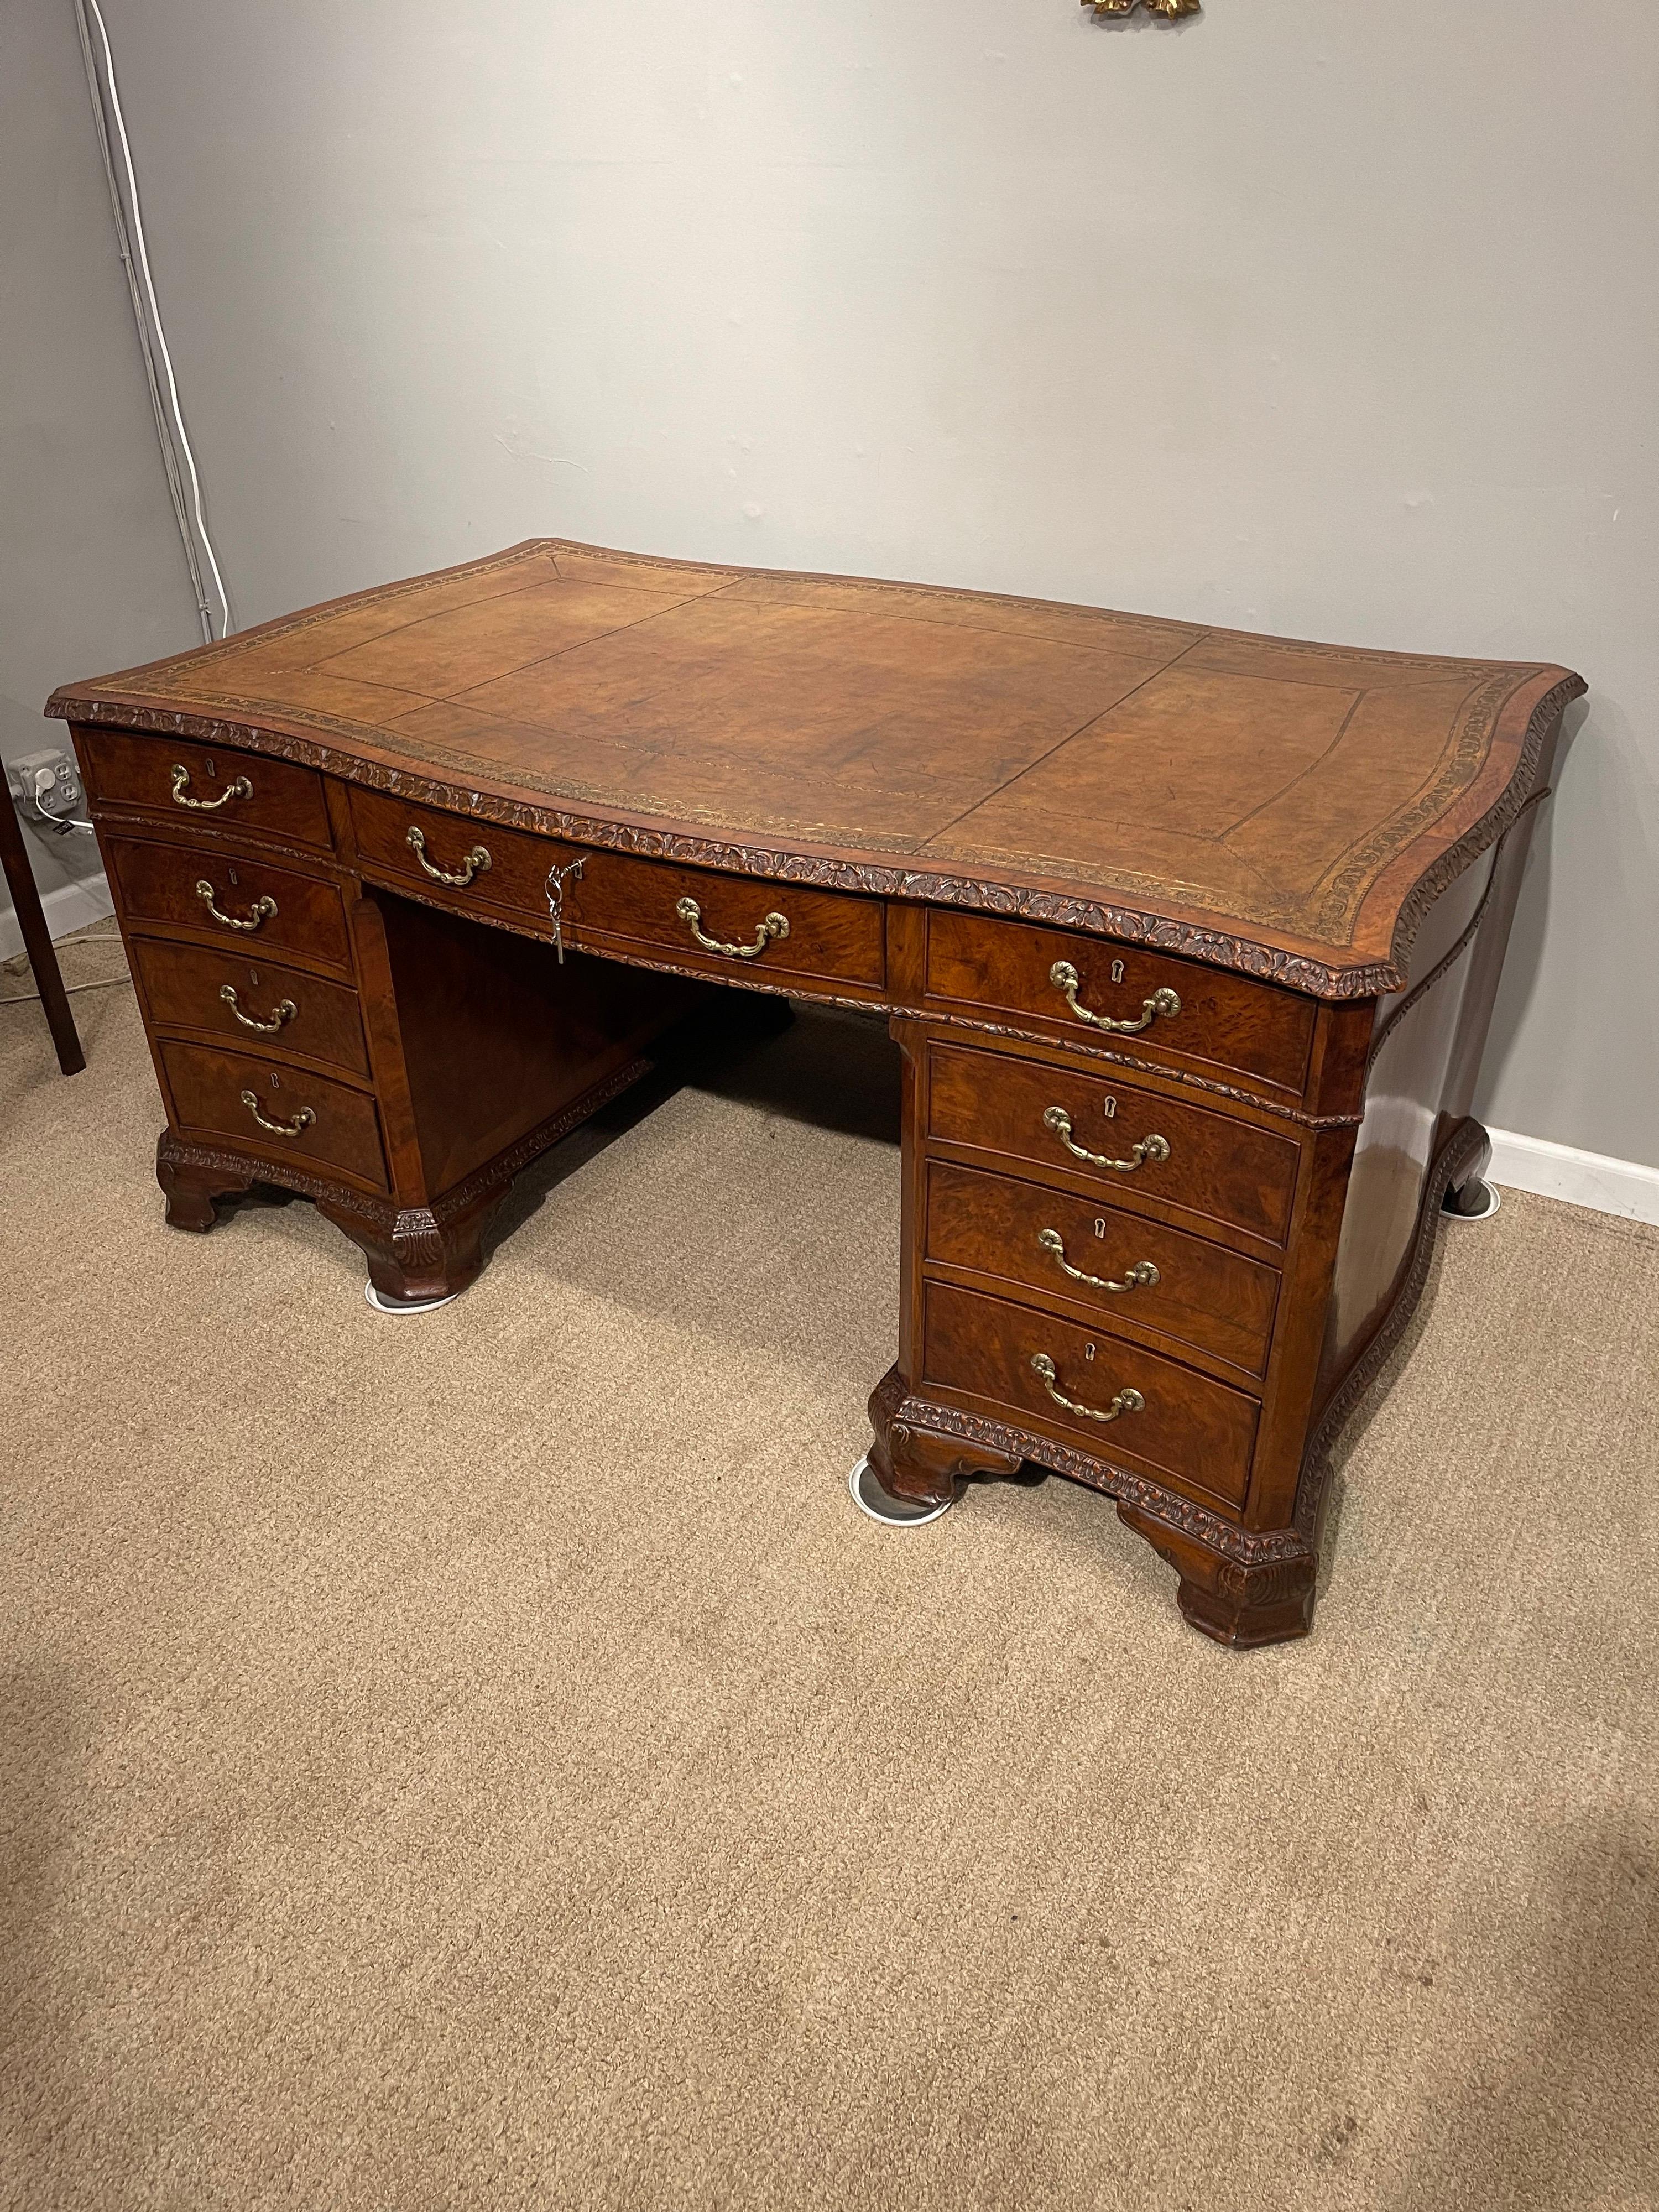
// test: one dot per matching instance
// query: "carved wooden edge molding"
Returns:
(1449, 960)
(403, 1224)
(1130, 926)
(172, 1150)
(1247, 1547)
(1496, 822)
(1456, 1157)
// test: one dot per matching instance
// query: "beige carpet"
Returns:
(485, 1760)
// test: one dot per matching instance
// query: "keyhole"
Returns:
(1088, 1351)
(1117, 971)
(253, 977)
(207, 764)
(276, 1082)
(1111, 1109)
(235, 878)
(1100, 1224)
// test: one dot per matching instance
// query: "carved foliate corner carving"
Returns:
(1169, 9)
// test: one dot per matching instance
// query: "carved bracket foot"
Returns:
(193, 1186)
(1231, 1602)
(1467, 1192)
(920, 1464)
(414, 1254)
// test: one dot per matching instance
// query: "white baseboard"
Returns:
(68, 908)
(1606, 1185)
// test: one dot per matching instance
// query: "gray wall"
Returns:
(1335, 319)
(91, 573)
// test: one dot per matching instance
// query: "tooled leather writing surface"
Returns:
(1278, 806)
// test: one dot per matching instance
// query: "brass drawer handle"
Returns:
(1150, 1148)
(239, 789)
(772, 925)
(1163, 1000)
(1127, 1401)
(476, 862)
(263, 909)
(302, 1122)
(283, 1011)
(1141, 1276)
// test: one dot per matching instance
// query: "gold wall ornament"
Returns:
(1169, 9)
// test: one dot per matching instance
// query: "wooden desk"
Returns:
(1190, 940)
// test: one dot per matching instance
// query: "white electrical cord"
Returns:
(141, 323)
(103, 983)
(42, 785)
(80, 7)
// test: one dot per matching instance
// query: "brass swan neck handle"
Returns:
(262, 910)
(238, 787)
(771, 925)
(1141, 1276)
(476, 863)
(283, 1011)
(1163, 1002)
(1127, 1401)
(302, 1122)
(1150, 1148)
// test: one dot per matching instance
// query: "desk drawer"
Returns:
(461, 863)
(729, 925)
(331, 1125)
(232, 790)
(195, 987)
(1050, 1244)
(614, 900)
(249, 901)
(1226, 1171)
(1225, 1024)
(1194, 1432)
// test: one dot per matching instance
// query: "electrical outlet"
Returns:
(59, 794)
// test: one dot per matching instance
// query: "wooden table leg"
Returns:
(37, 940)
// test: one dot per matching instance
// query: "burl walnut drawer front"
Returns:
(729, 925)
(194, 987)
(206, 783)
(290, 1113)
(1138, 1144)
(1123, 1265)
(612, 902)
(1096, 991)
(453, 859)
(247, 900)
(1113, 1398)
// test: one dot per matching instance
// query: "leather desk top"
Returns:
(1284, 808)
